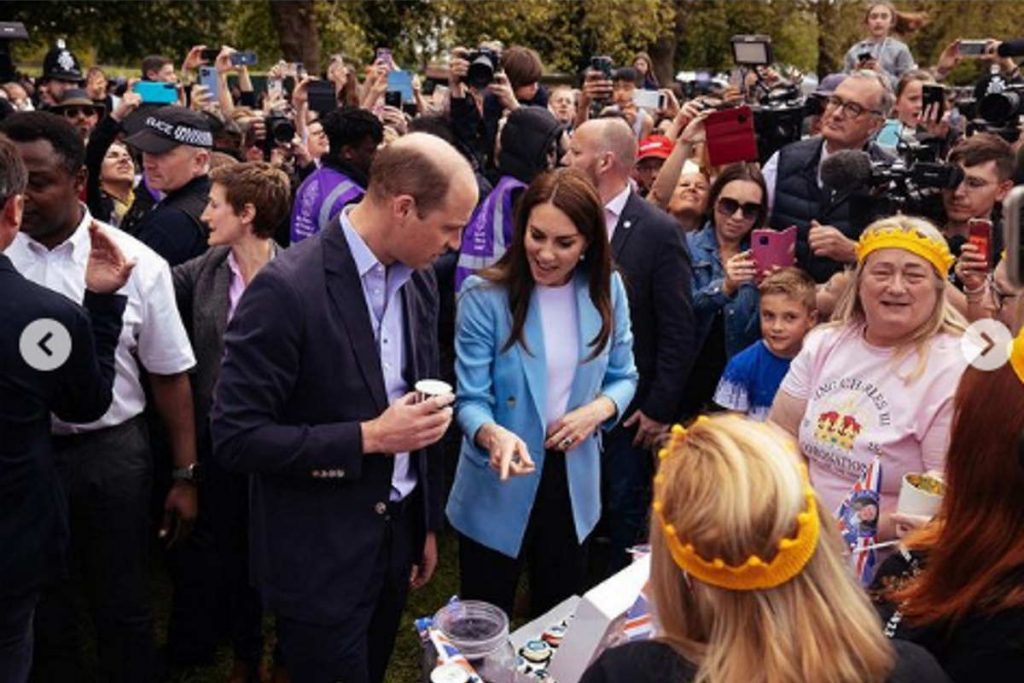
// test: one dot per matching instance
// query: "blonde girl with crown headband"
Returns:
(748, 579)
(879, 380)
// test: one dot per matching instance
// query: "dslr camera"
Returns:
(482, 65)
(280, 131)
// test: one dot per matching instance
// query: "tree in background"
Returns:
(810, 34)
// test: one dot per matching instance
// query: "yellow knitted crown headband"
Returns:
(753, 573)
(936, 252)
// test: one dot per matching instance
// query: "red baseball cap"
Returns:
(654, 146)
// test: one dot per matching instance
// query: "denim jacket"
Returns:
(742, 319)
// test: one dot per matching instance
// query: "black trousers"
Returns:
(107, 476)
(16, 636)
(213, 599)
(555, 560)
(626, 476)
(358, 650)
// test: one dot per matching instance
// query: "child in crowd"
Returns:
(788, 313)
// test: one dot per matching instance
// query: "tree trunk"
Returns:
(296, 31)
(663, 51)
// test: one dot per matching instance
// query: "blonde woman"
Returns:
(747, 575)
(879, 380)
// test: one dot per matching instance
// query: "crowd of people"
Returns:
(252, 280)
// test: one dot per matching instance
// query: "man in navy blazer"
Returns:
(39, 374)
(649, 251)
(315, 401)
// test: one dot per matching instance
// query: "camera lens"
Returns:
(998, 107)
(282, 130)
(481, 72)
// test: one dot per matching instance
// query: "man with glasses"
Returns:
(988, 165)
(80, 111)
(827, 228)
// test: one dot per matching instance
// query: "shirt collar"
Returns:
(364, 258)
(77, 243)
(618, 202)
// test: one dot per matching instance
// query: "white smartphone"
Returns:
(648, 99)
(973, 48)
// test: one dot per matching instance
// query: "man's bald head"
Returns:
(419, 165)
(611, 135)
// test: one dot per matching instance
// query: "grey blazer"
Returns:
(201, 287)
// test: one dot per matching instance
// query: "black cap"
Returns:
(59, 64)
(167, 127)
(76, 97)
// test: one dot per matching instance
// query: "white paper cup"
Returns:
(914, 501)
(427, 388)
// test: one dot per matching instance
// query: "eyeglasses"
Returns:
(75, 112)
(999, 297)
(728, 207)
(852, 108)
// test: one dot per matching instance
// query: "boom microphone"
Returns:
(846, 169)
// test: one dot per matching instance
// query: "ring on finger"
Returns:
(566, 442)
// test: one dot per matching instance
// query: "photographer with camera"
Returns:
(827, 228)
(484, 85)
(354, 135)
(988, 163)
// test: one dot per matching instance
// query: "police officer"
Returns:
(175, 144)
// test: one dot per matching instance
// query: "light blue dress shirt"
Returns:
(382, 286)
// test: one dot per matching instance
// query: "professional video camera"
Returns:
(482, 65)
(779, 110)
(993, 106)
(889, 187)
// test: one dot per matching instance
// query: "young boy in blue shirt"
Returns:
(788, 313)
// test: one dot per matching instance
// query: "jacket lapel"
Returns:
(534, 356)
(346, 290)
(588, 325)
(624, 228)
(220, 297)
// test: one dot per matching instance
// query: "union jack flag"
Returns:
(858, 521)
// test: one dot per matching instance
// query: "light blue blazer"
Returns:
(510, 388)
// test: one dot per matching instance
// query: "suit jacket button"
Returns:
(380, 508)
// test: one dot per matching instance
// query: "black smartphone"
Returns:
(245, 58)
(865, 57)
(603, 64)
(209, 53)
(934, 94)
(322, 98)
(393, 98)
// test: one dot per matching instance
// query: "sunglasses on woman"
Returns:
(727, 206)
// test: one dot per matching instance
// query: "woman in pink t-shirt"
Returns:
(879, 381)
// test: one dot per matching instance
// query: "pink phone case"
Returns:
(773, 248)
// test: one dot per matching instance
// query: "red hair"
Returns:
(976, 549)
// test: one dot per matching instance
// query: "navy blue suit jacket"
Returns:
(33, 521)
(301, 371)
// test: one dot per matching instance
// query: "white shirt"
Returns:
(613, 210)
(382, 288)
(770, 172)
(561, 345)
(151, 327)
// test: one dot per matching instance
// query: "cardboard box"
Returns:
(601, 613)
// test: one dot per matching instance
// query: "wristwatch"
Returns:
(190, 473)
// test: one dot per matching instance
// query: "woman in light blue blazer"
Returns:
(544, 358)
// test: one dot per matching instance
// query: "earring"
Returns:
(583, 257)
